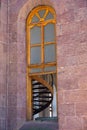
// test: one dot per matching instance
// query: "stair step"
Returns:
(39, 88)
(38, 105)
(41, 96)
(43, 92)
(41, 100)
(36, 83)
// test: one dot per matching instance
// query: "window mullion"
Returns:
(29, 48)
(42, 54)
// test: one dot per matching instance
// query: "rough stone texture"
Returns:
(72, 81)
(3, 62)
(71, 38)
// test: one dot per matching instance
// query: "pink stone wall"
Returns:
(72, 64)
(3, 63)
(71, 37)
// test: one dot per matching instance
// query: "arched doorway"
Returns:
(41, 63)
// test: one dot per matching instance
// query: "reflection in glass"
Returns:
(52, 68)
(49, 16)
(35, 35)
(41, 13)
(50, 53)
(49, 33)
(35, 70)
(35, 19)
(35, 55)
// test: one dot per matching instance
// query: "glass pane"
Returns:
(35, 35)
(49, 16)
(50, 53)
(49, 33)
(41, 13)
(35, 70)
(35, 55)
(35, 19)
(52, 68)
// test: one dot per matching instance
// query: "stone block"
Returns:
(3, 100)
(68, 83)
(81, 14)
(3, 37)
(85, 123)
(75, 96)
(2, 112)
(82, 82)
(60, 97)
(66, 17)
(12, 100)
(66, 110)
(13, 53)
(73, 123)
(12, 79)
(21, 112)
(81, 109)
(2, 124)
(68, 29)
(80, 3)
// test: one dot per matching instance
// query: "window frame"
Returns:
(42, 23)
(29, 115)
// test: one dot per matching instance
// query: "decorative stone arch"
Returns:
(21, 48)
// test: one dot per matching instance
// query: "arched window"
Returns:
(41, 40)
(41, 44)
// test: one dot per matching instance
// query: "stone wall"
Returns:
(18, 12)
(3, 63)
(71, 38)
(72, 64)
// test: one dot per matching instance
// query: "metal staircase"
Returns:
(42, 89)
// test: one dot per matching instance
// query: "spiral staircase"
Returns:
(42, 89)
(42, 97)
